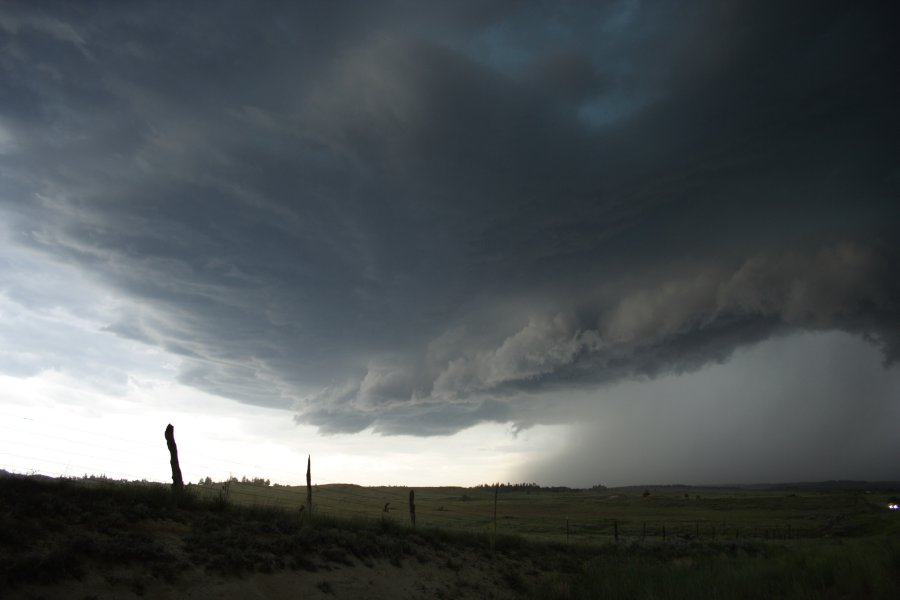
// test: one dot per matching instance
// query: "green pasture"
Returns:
(848, 544)
(592, 516)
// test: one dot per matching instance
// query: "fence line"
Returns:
(599, 528)
(450, 511)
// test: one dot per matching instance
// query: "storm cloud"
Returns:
(415, 218)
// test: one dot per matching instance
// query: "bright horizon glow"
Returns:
(110, 419)
(55, 424)
(48, 429)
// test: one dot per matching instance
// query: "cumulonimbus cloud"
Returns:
(407, 222)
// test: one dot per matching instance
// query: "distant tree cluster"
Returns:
(522, 487)
(254, 481)
(103, 477)
(257, 481)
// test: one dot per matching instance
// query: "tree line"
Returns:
(531, 487)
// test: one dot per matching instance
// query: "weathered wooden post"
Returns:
(494, 534)
(496, 491)
(567, 530)
(616, 530)
(309, 485)
(177, 482)
(412, 507)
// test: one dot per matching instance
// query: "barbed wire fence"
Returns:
(471, 510)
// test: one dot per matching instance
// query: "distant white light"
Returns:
(893, 506)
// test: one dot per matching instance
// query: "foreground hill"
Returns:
(66, 539)
(62, 539)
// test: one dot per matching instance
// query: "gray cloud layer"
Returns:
(415, 218)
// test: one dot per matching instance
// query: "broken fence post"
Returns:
(177, 482)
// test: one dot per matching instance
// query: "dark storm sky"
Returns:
(416, 217)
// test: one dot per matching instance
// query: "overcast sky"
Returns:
(452, 242)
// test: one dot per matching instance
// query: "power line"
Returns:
(56, 437)
(69, 452)
(66, 464)
(70, 428)
(188, 464)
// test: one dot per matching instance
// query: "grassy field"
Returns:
(842, 543)
(595, 516)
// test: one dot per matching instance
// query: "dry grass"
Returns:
(55, 531)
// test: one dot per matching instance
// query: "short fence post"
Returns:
(496, 493)
(567, 530)
(643, 530)
(412, 507)
(616, 530)
(309, 486)
(494, 535)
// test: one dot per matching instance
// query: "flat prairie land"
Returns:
(596, 516)
(103, 539)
